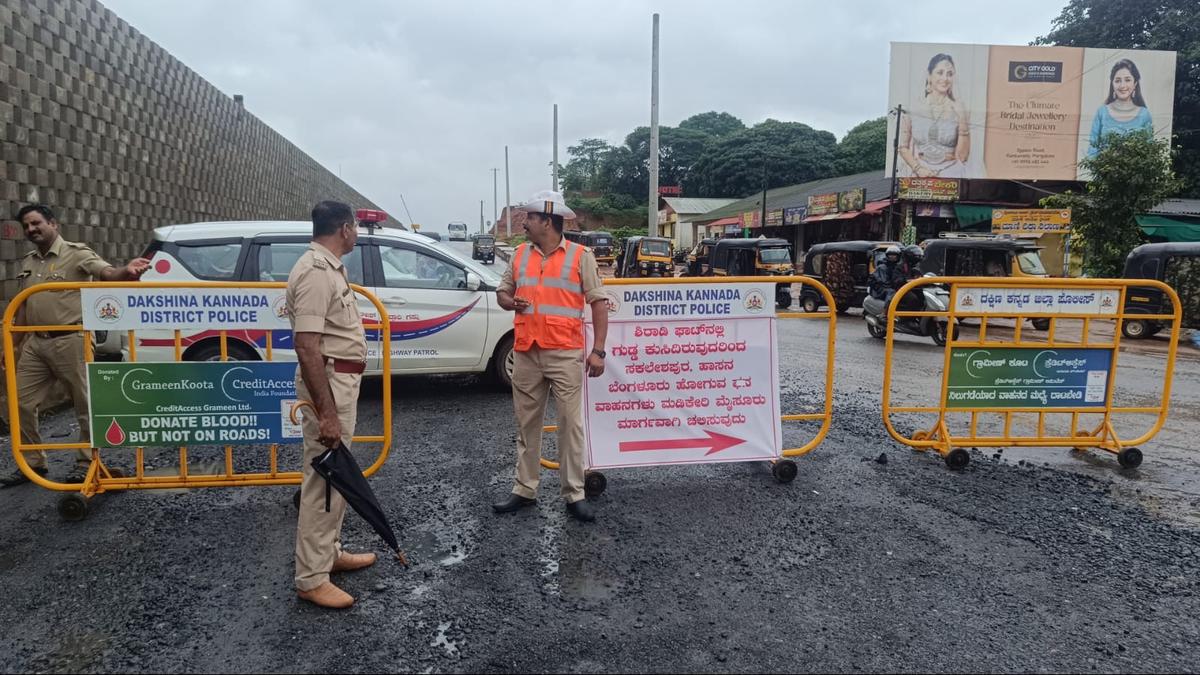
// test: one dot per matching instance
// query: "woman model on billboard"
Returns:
(1125, 110)
(935, 137)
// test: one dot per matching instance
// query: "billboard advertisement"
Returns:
(1009, 112)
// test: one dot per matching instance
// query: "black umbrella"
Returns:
(341, 472)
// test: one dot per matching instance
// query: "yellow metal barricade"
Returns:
(785, 469)
(1051, 385)
(100, 477)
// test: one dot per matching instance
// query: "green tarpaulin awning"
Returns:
(1169, 229)
(972, 214)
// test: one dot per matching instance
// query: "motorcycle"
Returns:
(935, 299)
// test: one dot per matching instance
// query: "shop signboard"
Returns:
(691, 377)
(1027, 377)
(775, 218)
(852, 200)
(824, 204)
(750, 219)
(1020, 112)
(928, 189)
(1031, 221)
(793, 215)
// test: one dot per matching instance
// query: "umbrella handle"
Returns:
(296, 408)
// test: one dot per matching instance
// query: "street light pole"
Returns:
(652, 215)
(507, 199)
(554, 171)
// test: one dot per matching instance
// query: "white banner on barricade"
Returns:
(184, 308)
(691, 377)
(1005, 301)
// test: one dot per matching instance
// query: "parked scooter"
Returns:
(935, 298)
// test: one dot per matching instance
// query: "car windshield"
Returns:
(661, 248)
(774, 255)
(484, 241)
(602, 241)
(1031, 262)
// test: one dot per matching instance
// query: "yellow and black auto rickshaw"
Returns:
(1175, 263)
(754, 258)
(601, 244)
(697, 258)
(644, 257)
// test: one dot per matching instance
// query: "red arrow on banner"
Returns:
(715, 443)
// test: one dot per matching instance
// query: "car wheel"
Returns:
(502, 362)
(810, 304)
(211, 351)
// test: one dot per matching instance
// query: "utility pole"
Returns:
(887, 235)
(762, 223)
(495, 206)
(480, 216)
(554, 171)
(653, 206)
(507, 199)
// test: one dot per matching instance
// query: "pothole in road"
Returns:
(421, 546)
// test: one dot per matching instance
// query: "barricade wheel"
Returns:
(810, 304)
(296, 499)
(73, 507)
(784, 471)
(1129, 458)
(594, 484)
(958, 458)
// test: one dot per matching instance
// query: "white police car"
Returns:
(442, 305)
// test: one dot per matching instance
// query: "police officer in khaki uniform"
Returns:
(332, 350)
(46, 356)
(547, 283)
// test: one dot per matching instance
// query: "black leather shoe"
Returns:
(18, 478)
(515, 502)
(581, 511)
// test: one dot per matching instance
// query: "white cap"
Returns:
(550, 202)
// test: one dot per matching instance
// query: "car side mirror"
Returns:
(473, 281)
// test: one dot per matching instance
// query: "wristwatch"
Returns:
(599, 352)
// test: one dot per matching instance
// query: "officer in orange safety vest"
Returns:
(548, 283)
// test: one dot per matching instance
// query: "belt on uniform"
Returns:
(51, 334)
(347, 366)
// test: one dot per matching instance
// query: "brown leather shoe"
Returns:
(348, 562)
(327, 595)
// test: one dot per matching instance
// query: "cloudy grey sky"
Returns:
(420, 98)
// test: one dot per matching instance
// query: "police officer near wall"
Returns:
(331, 347)
(50, 355)
(548, 283)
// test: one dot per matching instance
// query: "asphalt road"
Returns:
(1011, 564)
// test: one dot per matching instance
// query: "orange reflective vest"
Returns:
(554, 288)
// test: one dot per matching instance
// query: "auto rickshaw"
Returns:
(644, 257)
(483, 247)
(754, 257)
(697, 258)
(984, 257)
(844, 267)
(601, 244)
(1176, 264)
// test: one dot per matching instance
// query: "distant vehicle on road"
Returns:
(442, 305)
(458, 231)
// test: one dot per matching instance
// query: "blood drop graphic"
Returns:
(115, 434)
